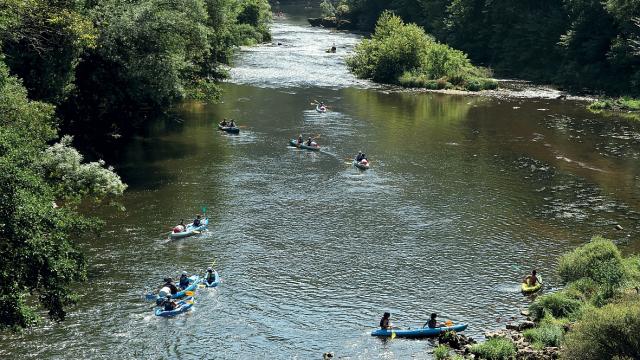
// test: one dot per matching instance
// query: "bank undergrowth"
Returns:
(403, 54)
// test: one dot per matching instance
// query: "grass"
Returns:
(619, 104)
(495, 349)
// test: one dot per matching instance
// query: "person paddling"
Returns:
(168, 283)
(197, 221)
(224, 122)
(359, 156)
(210, 277)
(232, 124)
(385, 323)
(169, 304)
(532, 279)
(300, 139)
(432, 323)
(184, 280)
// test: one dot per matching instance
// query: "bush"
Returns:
(548, 333)
(599, 260)
(441, 352)
(609, 332)
(495, 349)
(404, 54)
(556, 304)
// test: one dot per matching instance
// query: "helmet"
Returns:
(209, 268)
(184, 273)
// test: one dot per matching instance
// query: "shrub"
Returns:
(556, 304)
(599, 260)
(612, 331)
(441, 352)
(404, 54)
(548, 333)
(495, 349)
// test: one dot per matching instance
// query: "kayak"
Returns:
(361, 165)
(191, 230)
(527, 289)
(183, 306)
(229, 129)
(294, 143)
(321, 109)
(216, 280)
(419, 332)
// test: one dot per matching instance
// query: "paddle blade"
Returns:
(204, 209)
(202, 286)
(189, 293)
(196, 232)
(393, 335)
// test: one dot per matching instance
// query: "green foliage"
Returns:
(495, 349)
(599, 260)
(609, 332)
(38, 260)
(556, 304)
(404, 54)
(441, 352)
(549, 332)
(578, 44)
(620, 104)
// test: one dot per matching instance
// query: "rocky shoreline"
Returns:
(331, 22)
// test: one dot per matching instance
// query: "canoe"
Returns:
(526, 289)
(294, 143)
(360, 165)
(191, 230)
(193, 285)
(183, 306)
(321, 109)
(419, 332)
(216, 280)
(229, 129)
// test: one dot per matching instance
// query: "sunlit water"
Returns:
(465, 195)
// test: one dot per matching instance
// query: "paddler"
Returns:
(532, 279)
(224, 122)
(432, 323)
(300, 140)
(359, 156)
(309, 141)
(184, 280)
(197, 221)
(210, 277)
(169, 304)
(385, 323)
(232, 123)
(168, 283)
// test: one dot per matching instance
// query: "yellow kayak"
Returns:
(527, 289)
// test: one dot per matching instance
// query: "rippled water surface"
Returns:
(465, 195)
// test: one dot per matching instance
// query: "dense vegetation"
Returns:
(600, 304)
(92, 68)
(110, 65)
(404, 54)
(590, 45)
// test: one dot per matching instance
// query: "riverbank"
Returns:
(600, 298)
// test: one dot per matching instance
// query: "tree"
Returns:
(40, 189)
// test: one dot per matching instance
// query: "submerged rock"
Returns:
(331, 22)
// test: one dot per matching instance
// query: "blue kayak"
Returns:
(229, 129)
(419, 332)
(216, 280)
(183, 306)
(191, 230)
(294, 142)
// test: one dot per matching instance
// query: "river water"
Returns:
(465, 195)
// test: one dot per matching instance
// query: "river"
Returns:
(465, 195)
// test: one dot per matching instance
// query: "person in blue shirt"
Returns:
(184, 280)
(197, 221)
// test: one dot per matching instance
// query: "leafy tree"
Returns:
(40, 188)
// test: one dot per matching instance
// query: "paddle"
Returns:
(393, 334)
